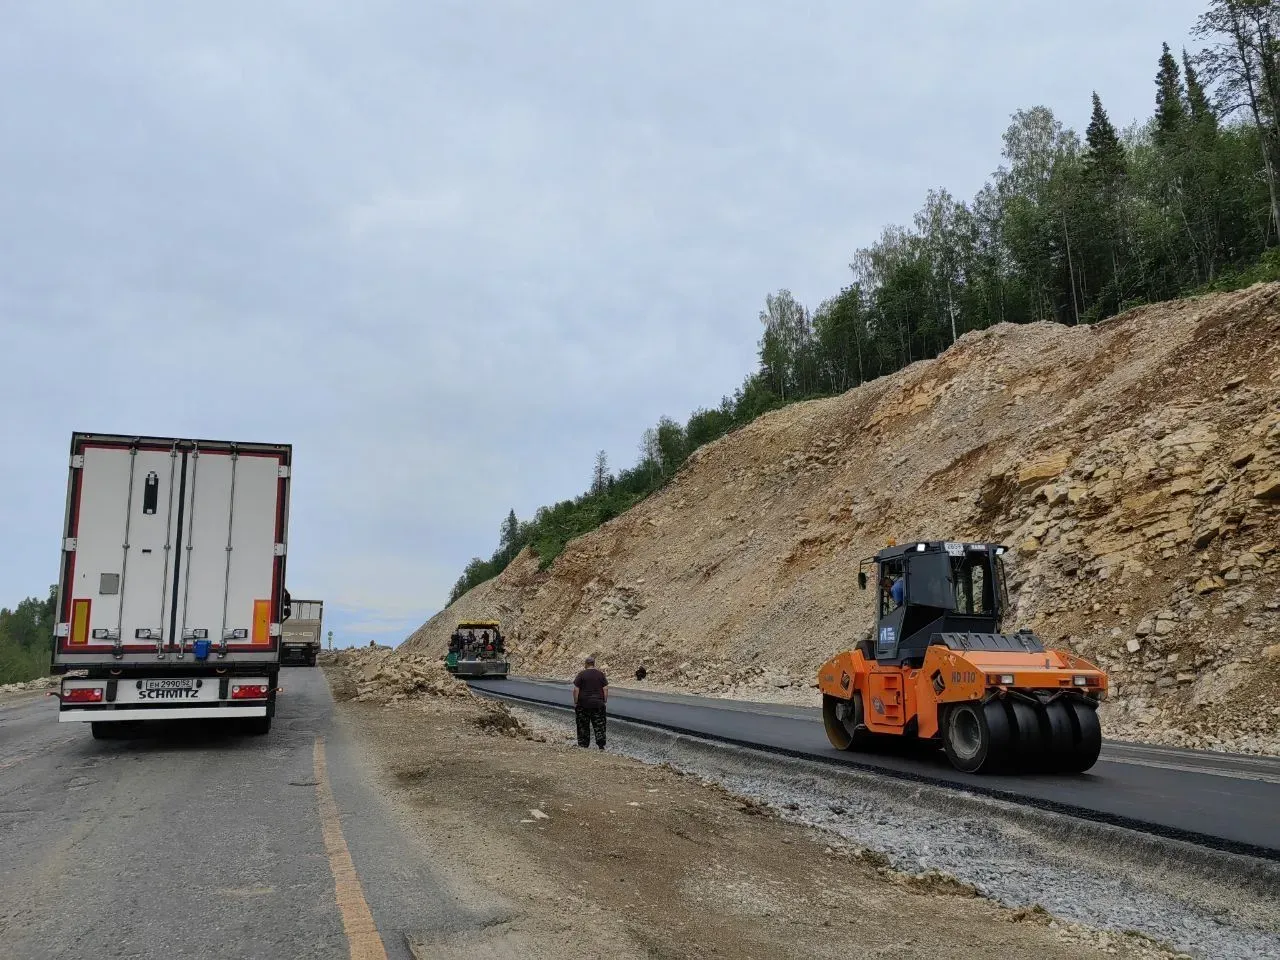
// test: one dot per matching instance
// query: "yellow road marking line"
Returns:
(357, 920)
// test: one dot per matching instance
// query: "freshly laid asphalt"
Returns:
(185, 844)
(1224, 801)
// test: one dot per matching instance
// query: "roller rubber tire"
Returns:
(1060, 739)
(1088, 737)
(1027, 749)
(838, 731)
(977, 737)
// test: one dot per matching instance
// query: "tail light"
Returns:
(249, 691)
(82, 695)
(1080, 681)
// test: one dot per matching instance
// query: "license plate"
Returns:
(180, 683)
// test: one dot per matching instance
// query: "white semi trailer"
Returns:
(171, 590)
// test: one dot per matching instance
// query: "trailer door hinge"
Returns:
(69, 544)
(279, 549)
(274, 630)
(62, 630)
(283, 473)
(77, 461)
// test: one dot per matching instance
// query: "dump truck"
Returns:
(300, 634)
(938, 668)
(170, 599)
(477, 649)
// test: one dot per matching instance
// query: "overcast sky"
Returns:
(450, 249)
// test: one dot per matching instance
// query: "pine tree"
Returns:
(1104, 159)
(1106, 169)
(1170, 111)
(600, 475)
(509, 537)
(1197, 99)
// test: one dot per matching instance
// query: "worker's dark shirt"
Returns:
(591, 684)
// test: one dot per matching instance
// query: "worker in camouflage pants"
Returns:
(590, 696)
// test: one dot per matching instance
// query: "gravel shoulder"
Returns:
(591, 854)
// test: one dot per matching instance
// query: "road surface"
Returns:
(1225, 801)
(184, 846)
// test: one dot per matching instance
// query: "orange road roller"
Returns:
(938, 668)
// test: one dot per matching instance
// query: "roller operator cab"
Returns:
(171, 596)
(937, 667)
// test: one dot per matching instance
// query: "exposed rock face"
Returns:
(1133, 467)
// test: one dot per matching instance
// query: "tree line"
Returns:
(26, 639)
(1068, 228)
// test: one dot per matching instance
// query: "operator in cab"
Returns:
(894, 591)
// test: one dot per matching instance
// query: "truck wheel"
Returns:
(842, 719)
(311, 660)
(102, 730)
(976, 736)
(257, 726)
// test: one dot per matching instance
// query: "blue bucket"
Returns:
(202, 649)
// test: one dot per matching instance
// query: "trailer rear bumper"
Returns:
(151, 713)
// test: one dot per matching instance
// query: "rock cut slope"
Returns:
(1133, 466)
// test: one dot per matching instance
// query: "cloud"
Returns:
(356, 626)
(450, 250)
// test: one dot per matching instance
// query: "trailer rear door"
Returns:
(169, 542)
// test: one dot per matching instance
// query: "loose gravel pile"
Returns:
(377, 675)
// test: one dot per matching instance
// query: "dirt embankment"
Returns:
(586, 854)
(1134, 467)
